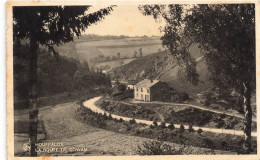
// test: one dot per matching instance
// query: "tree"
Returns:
(109, 80)
(48, 26)
(113, 58)
(135, 54)
(141, 52)
(226, 35)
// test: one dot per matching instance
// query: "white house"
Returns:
(151, 90)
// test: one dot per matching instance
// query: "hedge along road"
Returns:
(195, 106)
(91, 105)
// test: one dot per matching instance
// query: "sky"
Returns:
(125, 20)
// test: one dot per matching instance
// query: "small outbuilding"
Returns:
(131, 84)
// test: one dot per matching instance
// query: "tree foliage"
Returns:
(54, 25)
(48, 26)
(69, 74)
(226, 35)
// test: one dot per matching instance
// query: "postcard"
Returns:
(132, 79)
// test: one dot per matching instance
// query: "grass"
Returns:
(130, 110)
(126, 46)
(204, 140)
(22, 126)
(56, 99)
(188, 115)
(118, 42)
(176, 114)
(112, 64)
(21, 123)
(128, 50)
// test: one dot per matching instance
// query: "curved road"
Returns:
(91, 105)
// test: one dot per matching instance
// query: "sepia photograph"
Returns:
(119, 79)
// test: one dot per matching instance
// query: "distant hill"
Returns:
(68, 50)
(96, 49)
(89, 47)
(162, 66)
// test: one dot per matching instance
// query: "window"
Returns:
(142, 97)
(141, 89)
(136, 88)
(148, 91)
(136, 94)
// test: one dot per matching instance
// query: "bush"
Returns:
(160, 148)
(132, 121)
(122, 87)
(200, 131)
(121, 120)
(128, 128)
(115, 119)
(207, 103)
(181, 128)
(171, 126)
(224, 144)
(209, 143)
(137, 132)
(155, 123)
(183, 96)
(152, 126)
(102, 124)
(163, 125)
(190, 128)
(110, 116)
(105, 116)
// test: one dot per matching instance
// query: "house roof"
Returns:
(132, 82)
(147, 83)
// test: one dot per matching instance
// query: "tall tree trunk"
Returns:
(248, 118)
(33, 109)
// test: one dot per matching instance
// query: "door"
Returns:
(147, 98)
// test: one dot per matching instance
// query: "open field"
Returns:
(109, 65)
(120, 42)
(128, 51)
(126, 47)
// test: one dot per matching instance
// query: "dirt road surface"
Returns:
(62, 126)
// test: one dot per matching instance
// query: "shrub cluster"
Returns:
(181, 128)
(171, 126)
(161, 148)
(200, 131)
(132, 121)
(190, 128)
(163, 125)
(155, 123)
(121, 120)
